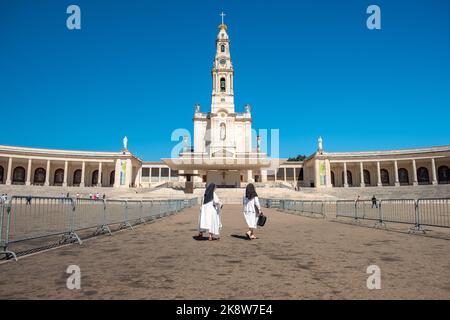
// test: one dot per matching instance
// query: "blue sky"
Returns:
(307, 68)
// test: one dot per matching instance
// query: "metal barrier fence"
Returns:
(30, 218)
(434, 212)
(419, 213)
(301, 206)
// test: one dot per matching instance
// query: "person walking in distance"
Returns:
(252, 210)
(374, 202)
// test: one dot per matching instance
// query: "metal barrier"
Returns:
(418, 213)
(303, 206)
(29, 218)
(398, 211)
(270, 203)
(433, 212)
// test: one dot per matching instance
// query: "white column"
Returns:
(397, 183)
(159, 176)
(345, 175)
(433, 170)
(8, 174)
(263, 175)
(83, 169)
(285, 178)
(28, 173)
(415, 183)
(361, 167)
(250, 175)
(66, 168)
(47, 174)
(379, 183)
(99, 182)
(294, 172)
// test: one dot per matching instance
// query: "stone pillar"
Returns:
(138, 179)
(8, 174)
(415, 183)
(397, 183)
(47, 174)
(99, 182)
(129, 177)
(28, 182)
(345, 175)
(117, 174)
(361, 172)
(83, 170)
(284, 172)
(66, 168)
(159, 174)
(263, 175)
(379, 183)
(433, 170)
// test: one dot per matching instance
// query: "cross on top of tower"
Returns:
(222, 15)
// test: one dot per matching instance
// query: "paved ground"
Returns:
(294, 258)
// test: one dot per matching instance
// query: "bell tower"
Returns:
(222, 73)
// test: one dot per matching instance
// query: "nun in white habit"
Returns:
(209, 219)
(252, 210)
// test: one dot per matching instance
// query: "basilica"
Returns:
(223, 153)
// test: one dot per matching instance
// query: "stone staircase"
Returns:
(234, 196)
(402, 192)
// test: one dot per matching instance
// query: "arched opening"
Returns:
(19, 175)
(366, 175)
(384, 177)
(2, 172)
(443, 175)
(77, 177)
(349, 178)
(112, 178)
(423, 177)
(222, 48)
(403, 176)
(39, 176)
(222, 85)
(332, 178)
(59, 177)
(94, 180)
(300, 175)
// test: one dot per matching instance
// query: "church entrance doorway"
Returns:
(224, 178)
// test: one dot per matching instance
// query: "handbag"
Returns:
(262, 220)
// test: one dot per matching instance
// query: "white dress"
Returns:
(209, 219)
(250, 214)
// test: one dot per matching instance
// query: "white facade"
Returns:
(222, 130)
(222, 151)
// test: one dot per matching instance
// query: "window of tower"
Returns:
(222, 84)
(222, 48)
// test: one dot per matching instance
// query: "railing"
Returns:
(302, 206)
(25, 219)
(418, 213)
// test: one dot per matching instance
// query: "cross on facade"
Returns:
(222, 15)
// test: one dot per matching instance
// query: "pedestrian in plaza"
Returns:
(374, 202)
(252, 210)
(209, 219)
